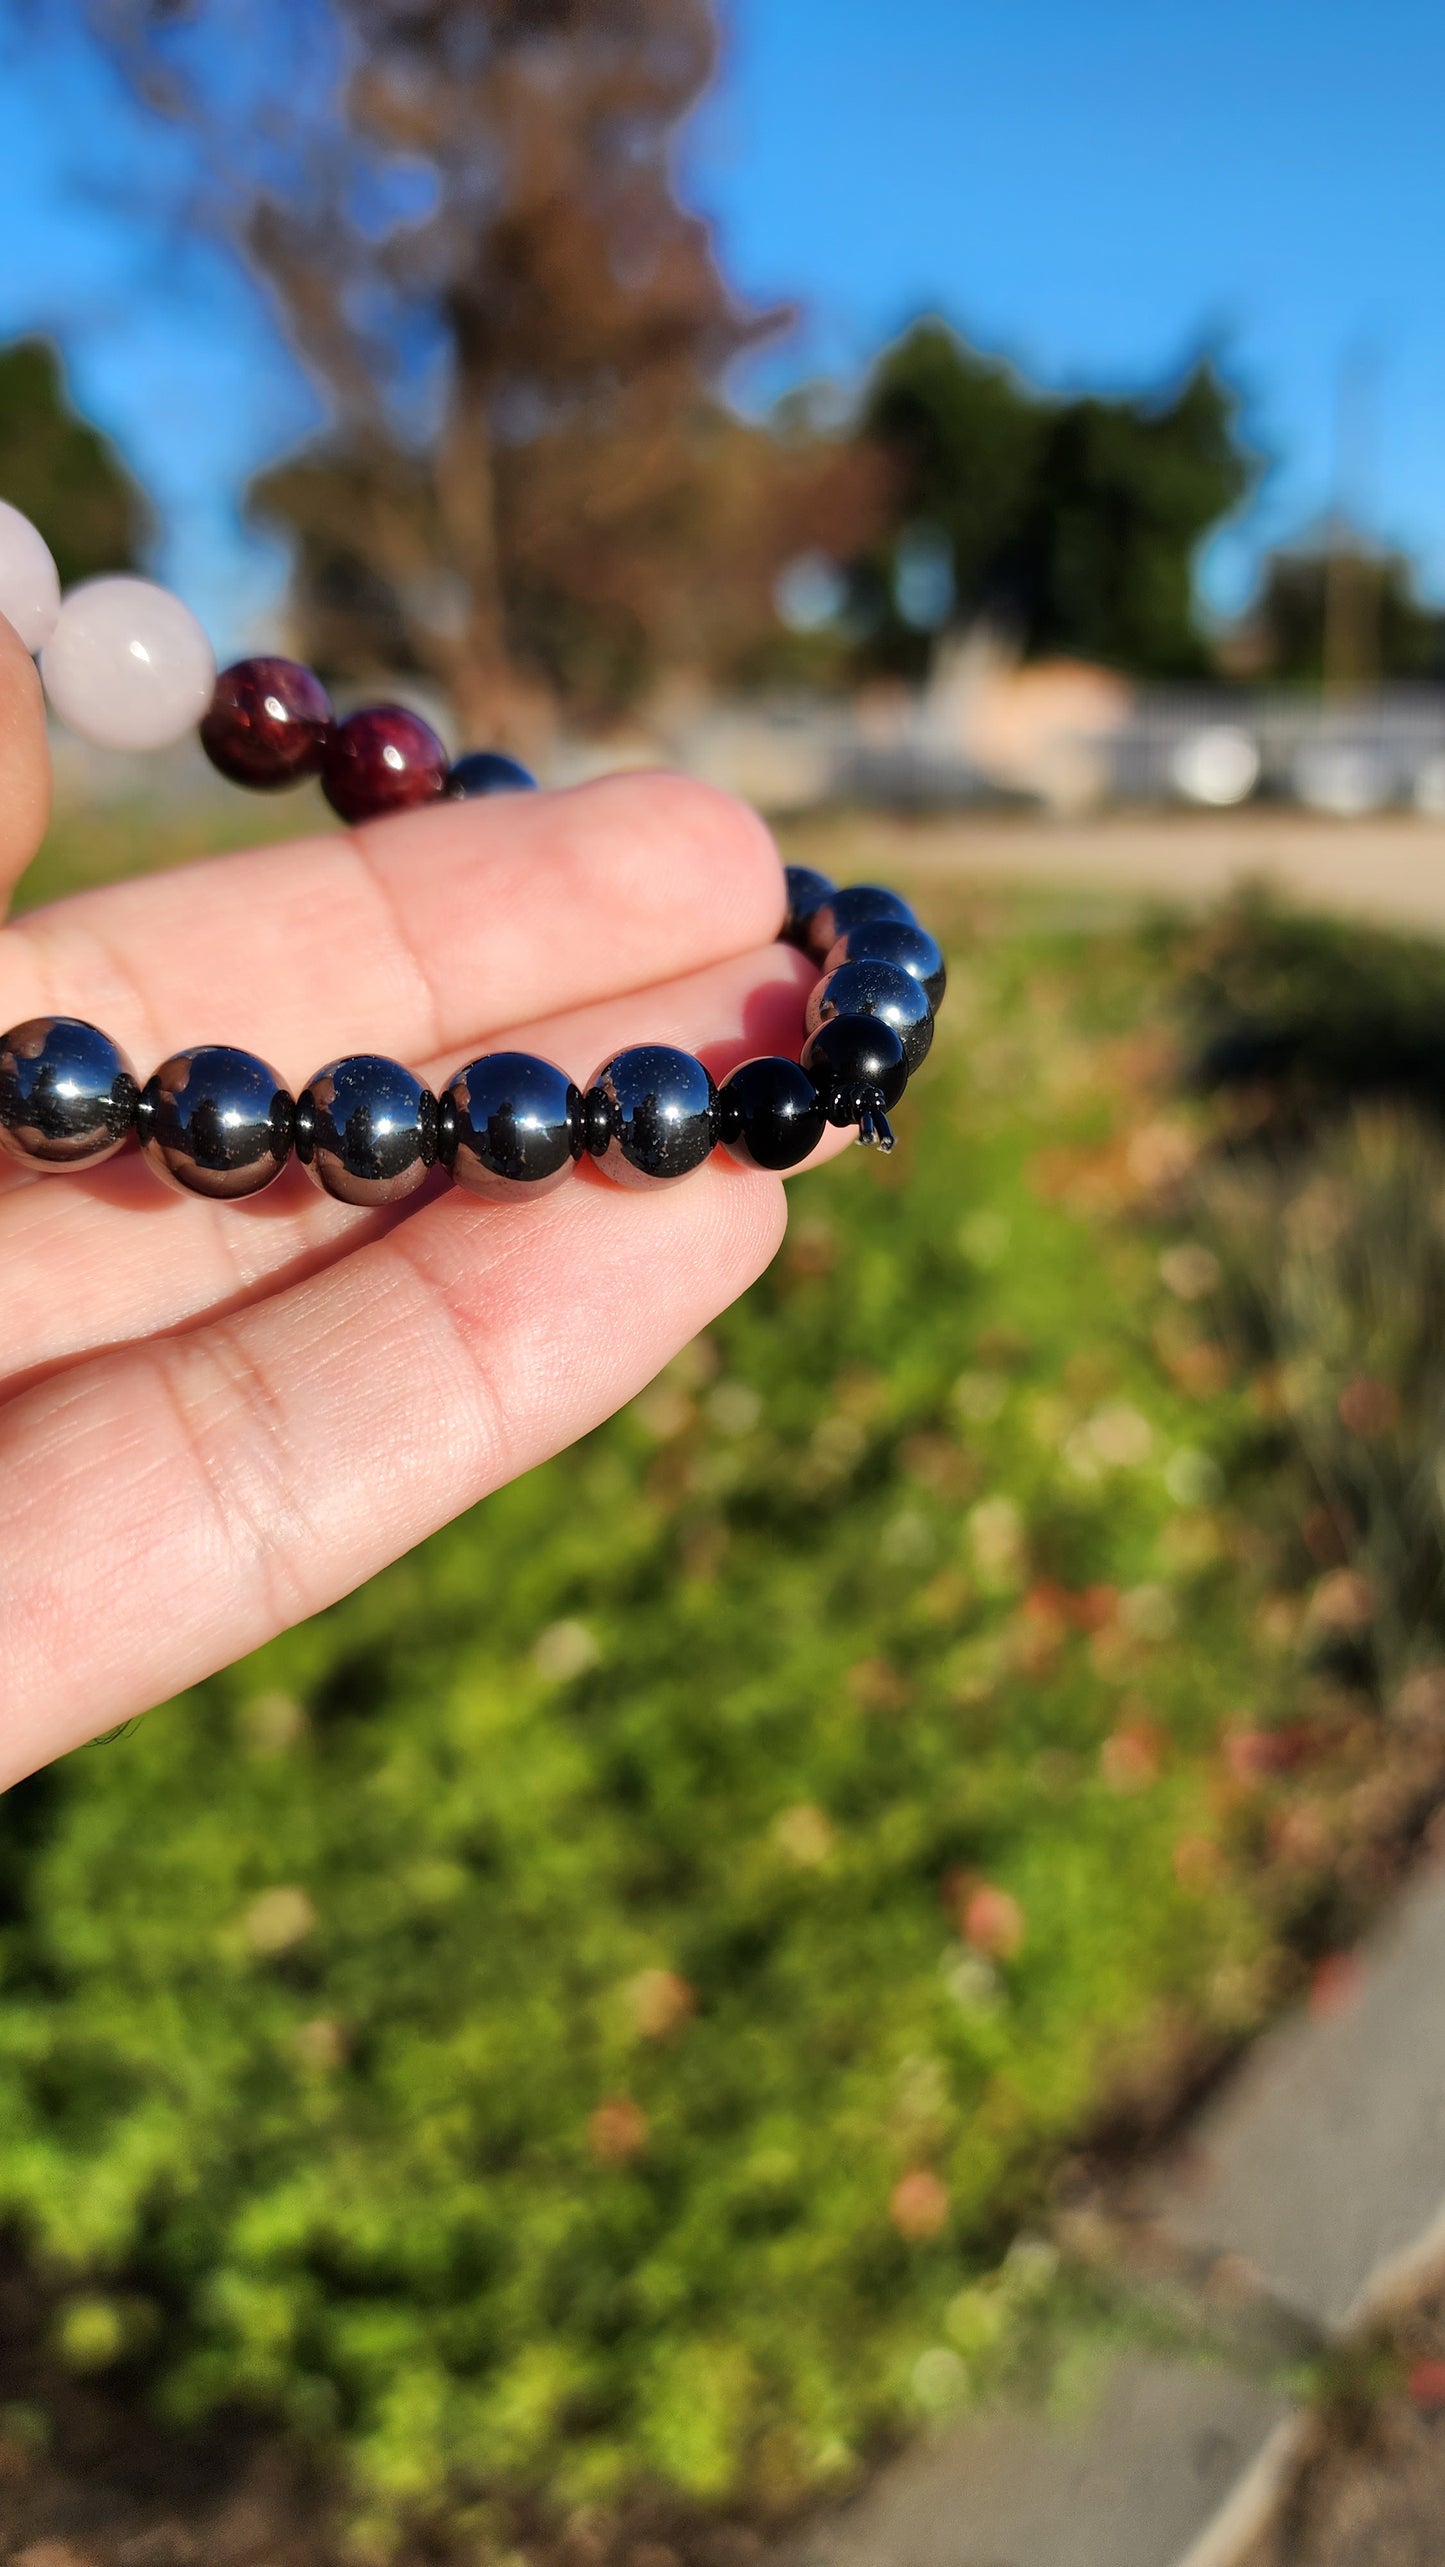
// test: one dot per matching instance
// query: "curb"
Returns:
(1246, 2512)
(1319, 2170)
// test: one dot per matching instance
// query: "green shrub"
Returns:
(1323, 1200)
(591, 2008)
(1316, 1012)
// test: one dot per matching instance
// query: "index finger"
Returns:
(412, 935)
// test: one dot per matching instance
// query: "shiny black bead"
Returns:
(807, 891)
(854, 1051)
(596, 1123)
(215, 1121)
(857, 1065)
(485, 771)
(366, 1130)
(876, 989)
(769, 1114)
(67, 1094)
(651, 1115)
(887, 940)
(511, 1126)
(855, 907)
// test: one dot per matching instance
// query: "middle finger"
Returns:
(100, 1260)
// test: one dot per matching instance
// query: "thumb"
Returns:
(24, 761)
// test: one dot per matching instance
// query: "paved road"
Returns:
(1391, 868)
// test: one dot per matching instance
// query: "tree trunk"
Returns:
(495, 704)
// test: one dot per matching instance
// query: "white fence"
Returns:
(1211, 747)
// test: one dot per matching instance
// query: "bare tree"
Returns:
(467, 211)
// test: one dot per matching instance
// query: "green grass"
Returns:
(133, 834)
(489, 2028)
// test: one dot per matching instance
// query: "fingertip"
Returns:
(717, 824)
(648, 833)
(24, 758)
(671, 1258)
(832, 1146)
(711, 1236)
(758, 1205)
(722, 847)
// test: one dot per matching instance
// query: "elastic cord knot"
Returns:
(866, 1109)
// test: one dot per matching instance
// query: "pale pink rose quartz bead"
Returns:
(29, 580)
(127, 665)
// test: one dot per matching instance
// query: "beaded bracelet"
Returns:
(125, 664)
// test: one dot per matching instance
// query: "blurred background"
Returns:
(578, 2054)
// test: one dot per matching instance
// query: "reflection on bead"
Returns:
(807, 891)
(487, 771)
(857, 1065)
(29, 580)
(511, 1126)
(876, 989)
(651, 1115)
(382, 759)
(215, 1121)
(127, 666)
(859, 904)
(366, 1130)
(769, 1114)
(850, 1051)
(267, 724)
(596, 1123)
(888, 940)
(67, 1094)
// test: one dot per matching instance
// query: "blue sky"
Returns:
(1096, 191)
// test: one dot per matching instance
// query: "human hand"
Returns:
(217, 1418)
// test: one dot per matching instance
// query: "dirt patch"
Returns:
(1369, 2488)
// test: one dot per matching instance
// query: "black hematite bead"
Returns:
(876, 989)
(366, 1129)
(215, 1121)
(511, 1126)
(806, 892)
(769, 1114)
(67, 1094)
(651, 1115)
(887, 940)
(268, 724)
(859, 904)
(850, 1055)
(487, 771)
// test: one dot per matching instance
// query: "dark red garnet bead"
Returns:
(380, 760)
(268, 724)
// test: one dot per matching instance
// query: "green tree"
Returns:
(1074, 524)
(962, 435)
(62, 473)
(1348, 603)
